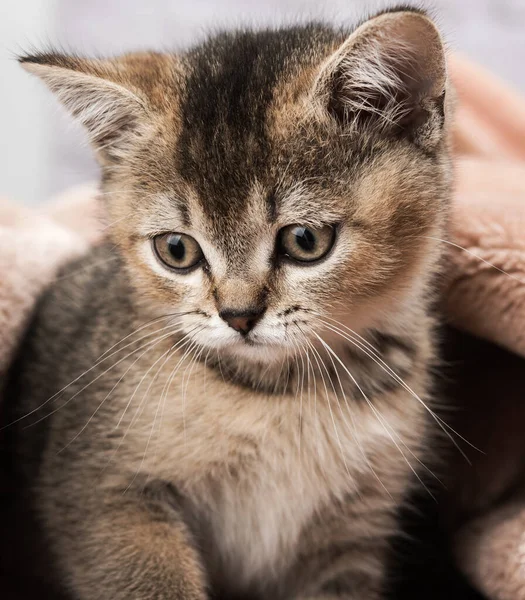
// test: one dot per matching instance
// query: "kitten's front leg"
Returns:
(351, 585)
(128, 547)
(343, 556)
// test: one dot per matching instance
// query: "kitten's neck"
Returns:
(359, 366)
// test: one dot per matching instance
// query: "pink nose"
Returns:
(241, 321)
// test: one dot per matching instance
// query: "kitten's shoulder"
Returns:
(90, 287)
(81, 309)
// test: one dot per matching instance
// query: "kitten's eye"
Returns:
(178, 251)
(306, 244)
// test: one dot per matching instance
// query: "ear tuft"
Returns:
(389, 76)
(111, 112)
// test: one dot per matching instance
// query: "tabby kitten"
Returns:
(234, 387)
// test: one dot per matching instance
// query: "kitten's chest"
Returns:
(256, 470)
(253, 520)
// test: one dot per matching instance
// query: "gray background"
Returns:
(42, 152)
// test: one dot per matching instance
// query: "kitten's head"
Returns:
(267, 182)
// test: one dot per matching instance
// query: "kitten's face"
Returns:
(319, 232)
(269, 188)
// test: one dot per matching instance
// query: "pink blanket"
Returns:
(485, 296)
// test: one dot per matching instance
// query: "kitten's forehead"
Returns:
(225, 142)
(241, 234)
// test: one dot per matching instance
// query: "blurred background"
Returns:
(42, 152)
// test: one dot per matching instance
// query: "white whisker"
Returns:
(173, 332)
(178, 346)
(327, 395)
(354, 428)
(147, 324)
(184, 387)
(107, 396)
(473, 254)
(370, 404)
(373, 353)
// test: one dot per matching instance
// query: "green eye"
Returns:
(177, 251)
(306, 244)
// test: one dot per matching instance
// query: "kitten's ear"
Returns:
(390, 75)
(111, 98)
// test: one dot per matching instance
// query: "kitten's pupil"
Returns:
(306, 244)
(176, 247)
(304, 238)
(178, 251)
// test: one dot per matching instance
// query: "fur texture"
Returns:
(179, 458)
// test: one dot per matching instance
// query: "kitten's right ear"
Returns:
(389, 76)
(107, 96)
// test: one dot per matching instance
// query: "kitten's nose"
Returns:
(241, 321)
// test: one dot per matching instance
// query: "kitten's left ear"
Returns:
(389, 77)
(116, 99)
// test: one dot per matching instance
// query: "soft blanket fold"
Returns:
(485, 296)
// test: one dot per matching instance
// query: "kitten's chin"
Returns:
(247, 350)
(251, 349)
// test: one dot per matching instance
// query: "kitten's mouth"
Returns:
(248, 340)
(255, 346)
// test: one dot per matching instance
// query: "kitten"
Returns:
(233, 390)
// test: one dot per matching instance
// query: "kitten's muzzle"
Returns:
(242, 321)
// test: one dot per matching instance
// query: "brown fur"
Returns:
(271, 465)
